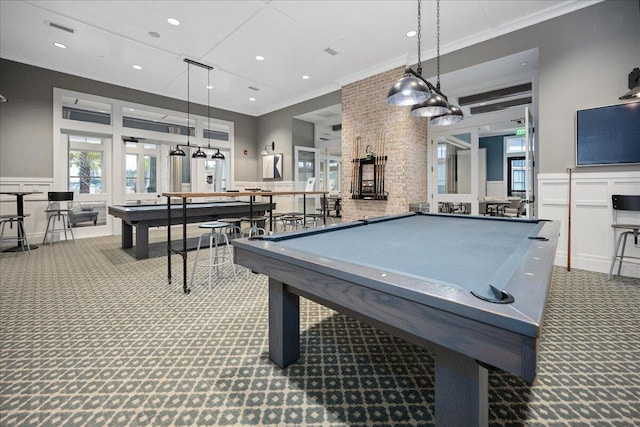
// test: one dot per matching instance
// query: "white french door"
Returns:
(455, 181)
(307, 176)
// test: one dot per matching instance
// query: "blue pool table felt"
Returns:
(469, 255)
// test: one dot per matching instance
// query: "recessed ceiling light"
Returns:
(209, 87)
(132, 109)
(523, 64)
(412, 33)
(252, 99)
(60, 45)
(259, 58)
(305, 77)
(173, 21)
(137, 67)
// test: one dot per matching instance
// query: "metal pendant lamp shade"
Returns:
(436, 105)
(199, 154)
(454, 116)
(409, 90)
(177, 151)
(218, 155)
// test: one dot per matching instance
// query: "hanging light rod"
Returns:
(199, 147)
(198, 64)
(177, 151)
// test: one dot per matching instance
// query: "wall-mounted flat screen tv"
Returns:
(608, 135)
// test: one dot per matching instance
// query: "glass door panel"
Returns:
(454, 171)
(530, 164)
(307, 168)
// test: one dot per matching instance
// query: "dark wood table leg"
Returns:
(461, 390)
(142, 240)
(127, 235)
(284, 324)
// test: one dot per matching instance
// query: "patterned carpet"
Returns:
(91, 337)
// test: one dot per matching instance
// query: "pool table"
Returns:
(145, 216)
(472, 289)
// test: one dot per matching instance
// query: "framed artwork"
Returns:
(272, 166)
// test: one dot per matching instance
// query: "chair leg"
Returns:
(46, 231)
(2, 231)
(195, 262)
(616, 257)
(624, 245)
(73, 238)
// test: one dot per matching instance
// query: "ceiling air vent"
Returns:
(500, 105)
(62, 27)
(337, 127)
(331, 51)
(254, 88)
(494, 95)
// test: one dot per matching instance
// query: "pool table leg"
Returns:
(142, 240)
(127, 235)
(461, 390)
(284, 324)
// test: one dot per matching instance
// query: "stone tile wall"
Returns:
(365, 113)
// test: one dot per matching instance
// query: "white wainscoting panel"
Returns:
(592, 238)
(34, 204)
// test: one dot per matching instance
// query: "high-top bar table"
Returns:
(251, 194)
(20, 204)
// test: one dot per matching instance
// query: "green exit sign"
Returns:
(520, 132)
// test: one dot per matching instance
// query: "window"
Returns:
(85, 164)
(517, 177)
(515, 144)
(141, 172)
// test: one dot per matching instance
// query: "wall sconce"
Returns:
(634, 85)
(266, 148)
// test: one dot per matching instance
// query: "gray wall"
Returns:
(280, 126)
(584, 60)
(495, 156)
(26, 121)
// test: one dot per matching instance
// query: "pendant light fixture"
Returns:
(198, 154)
(218, 155)
(454, 116)
(436, 104)
(177, 151)
(410, 90)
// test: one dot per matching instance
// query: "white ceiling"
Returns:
(369, 36)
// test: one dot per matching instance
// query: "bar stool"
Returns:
(254, 226)
(21, 235)
(233, 227)
(316, 218)
(624, 203)
(58, 214)
(292, 221)
(216, 238)
(276, 217)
